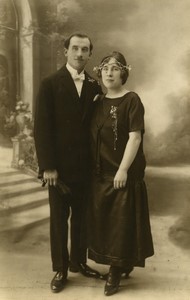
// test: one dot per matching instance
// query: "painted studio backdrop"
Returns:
(153, 35)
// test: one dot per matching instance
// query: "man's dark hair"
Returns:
(79, 35)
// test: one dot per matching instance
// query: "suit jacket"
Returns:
(62, 123)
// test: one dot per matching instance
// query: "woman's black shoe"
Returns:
(113, 281)
(127, 271)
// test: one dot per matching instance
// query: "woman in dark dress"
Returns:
(119, 233)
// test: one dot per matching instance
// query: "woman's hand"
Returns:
(130, 152)
(50, 176)
(120, 179)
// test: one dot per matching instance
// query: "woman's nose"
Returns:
(109, 72)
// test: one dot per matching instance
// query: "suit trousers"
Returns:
(63, 207)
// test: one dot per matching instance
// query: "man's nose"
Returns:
(79, 52)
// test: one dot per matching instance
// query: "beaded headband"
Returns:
(121, 66)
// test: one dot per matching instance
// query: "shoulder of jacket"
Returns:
(53, 76)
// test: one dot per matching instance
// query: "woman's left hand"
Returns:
(120, 179)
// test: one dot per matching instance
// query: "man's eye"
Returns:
(85, 49)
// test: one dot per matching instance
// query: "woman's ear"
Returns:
(99, 74)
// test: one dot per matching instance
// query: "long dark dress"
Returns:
(118, 220)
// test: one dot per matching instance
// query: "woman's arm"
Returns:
(131, 149)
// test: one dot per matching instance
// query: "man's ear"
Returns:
(90, 54)
(65, 51)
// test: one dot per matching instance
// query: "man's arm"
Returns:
(44, 128)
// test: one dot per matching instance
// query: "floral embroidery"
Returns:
(113, 113)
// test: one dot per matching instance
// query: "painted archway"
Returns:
(26, 50)
(17, 48)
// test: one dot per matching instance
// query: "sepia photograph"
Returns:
(94, 149)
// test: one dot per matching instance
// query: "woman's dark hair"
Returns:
(122, 62)
(79, 35)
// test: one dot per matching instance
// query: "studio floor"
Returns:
(25, 266)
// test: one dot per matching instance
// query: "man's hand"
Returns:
(50, 176)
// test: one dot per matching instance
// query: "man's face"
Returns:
(78, 53)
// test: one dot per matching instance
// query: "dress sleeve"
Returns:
(136, 114)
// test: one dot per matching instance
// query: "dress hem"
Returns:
(115, 261)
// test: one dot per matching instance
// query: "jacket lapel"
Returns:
(69, 85)
(87, 95)
(101, 117)
(87, 92)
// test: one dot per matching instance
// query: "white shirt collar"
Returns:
(72, 71)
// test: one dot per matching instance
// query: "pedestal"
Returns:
(16, 152)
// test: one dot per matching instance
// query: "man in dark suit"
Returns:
(62, 117)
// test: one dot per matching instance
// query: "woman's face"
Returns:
(111, 75)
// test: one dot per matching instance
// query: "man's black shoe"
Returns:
(73, 268)
(85, 270)
(58, 282)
